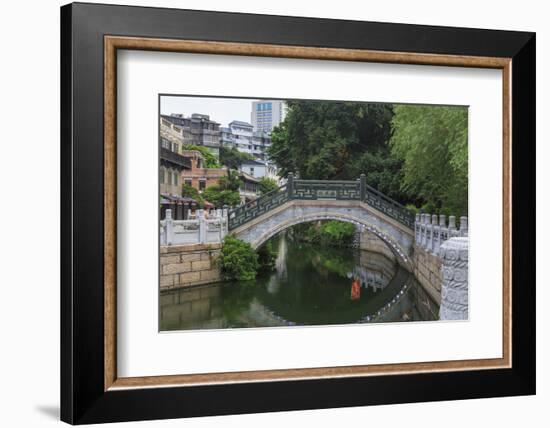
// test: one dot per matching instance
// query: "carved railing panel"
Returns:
(257, 207)
(319, 190)
(388, 206)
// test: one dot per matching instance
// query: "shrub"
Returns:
(238, 260)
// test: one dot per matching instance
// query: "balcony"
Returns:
(175, 159)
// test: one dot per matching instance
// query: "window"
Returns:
(175, 179)
(202, 184)
(162, 176)
(252, 171)
(189, 182)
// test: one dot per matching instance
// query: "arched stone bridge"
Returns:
(301, 201)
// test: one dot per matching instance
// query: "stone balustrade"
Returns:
(204, 228)
(431, 231)
(441, 262)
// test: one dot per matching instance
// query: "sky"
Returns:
(221, 110)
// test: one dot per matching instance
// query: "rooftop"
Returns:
(240, 123)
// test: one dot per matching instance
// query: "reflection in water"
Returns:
(309, 286)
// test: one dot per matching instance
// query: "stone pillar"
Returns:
(290, 185)
(429, 232)
(463, 226)
(363, 186)
(424, 231)
(417, 228)
(169, 227)
(454, 291)
(435, 233)
(202, 226)
(452, 227)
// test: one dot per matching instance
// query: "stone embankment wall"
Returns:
(427, 270)
(187, 265)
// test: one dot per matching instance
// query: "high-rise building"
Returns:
(267, 114)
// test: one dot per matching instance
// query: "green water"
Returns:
(310, 286)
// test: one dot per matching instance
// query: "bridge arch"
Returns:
(398, 239)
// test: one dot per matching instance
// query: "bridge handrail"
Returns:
(359, 191)
(258, 201)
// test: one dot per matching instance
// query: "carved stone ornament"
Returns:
(454, 291)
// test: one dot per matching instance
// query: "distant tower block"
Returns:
(267, 114)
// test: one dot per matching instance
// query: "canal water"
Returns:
(309, 286)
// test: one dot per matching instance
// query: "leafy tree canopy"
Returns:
(210, 160)
(432, 142)
(190, 192)
(231, 181)
(267, 185)
(338, 141)
(232, 158)
(220, 197)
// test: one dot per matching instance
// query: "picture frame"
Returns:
(91, 391)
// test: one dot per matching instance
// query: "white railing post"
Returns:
(435, 234)
(417, 228)
(463, 226)
(441, 233)
(429, 232)
(452, 227)
(169, 227)
(423, 231)
(202, 226)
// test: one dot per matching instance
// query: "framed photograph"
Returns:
(266, 213)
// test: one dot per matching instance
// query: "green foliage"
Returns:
(226, 192)
(231, 181)
(432, 142)
(338, 141)
(331, 233)
(323, 140)
(267, 256)
(210, 160)
(232, 158)
(238, 261)
(220, 197)
(267, 185)
(190, 192)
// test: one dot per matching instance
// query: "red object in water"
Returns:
(355, 290)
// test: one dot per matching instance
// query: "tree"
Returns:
(220, 197)
(432, 142)
(232, 158)
(210, 160)
(231, 181)
(190, 192)
(267, 185)
(338, 141)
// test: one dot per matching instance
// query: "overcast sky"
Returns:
(221, 110)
